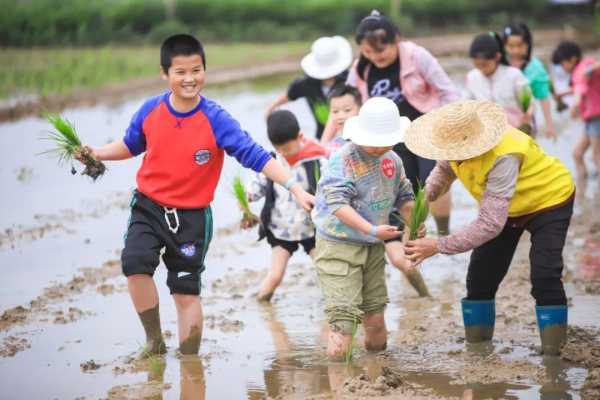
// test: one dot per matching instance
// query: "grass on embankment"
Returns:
(62, 70)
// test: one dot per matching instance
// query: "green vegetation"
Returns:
(68, 146)
(84, 22)
(60, 71)
(350, 353)
(239, 191)
(419, 213)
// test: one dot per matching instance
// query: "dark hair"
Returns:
(378, 31)
(341, 89)
(522, 31)
(282, 126)
(565, 51)
(487, 45)
(180, 45)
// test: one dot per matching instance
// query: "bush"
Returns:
(165, 29)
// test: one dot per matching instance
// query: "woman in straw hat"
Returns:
(518, 188)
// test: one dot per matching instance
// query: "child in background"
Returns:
(184, 136)
(344, 102)
(585, 79)
(326, 65)
(493, 79)
(284, 223)
(518, 44)
(361, 184)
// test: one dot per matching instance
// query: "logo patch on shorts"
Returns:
(202, 157)
(388, 168)
(188, 249)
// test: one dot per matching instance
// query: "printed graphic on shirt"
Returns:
(202, 157)
(388, 168)
(383, 87)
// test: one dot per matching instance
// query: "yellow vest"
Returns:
(543, 181)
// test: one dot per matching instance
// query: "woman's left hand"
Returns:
(421, 249)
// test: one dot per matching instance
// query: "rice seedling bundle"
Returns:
(248, 217)
(68, 146)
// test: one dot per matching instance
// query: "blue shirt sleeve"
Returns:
(134, 138)
(235, 141)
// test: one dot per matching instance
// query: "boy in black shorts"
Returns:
(184, 137)
(286, 225)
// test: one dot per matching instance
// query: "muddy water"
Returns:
(52, 224)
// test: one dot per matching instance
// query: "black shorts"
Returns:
(291, 246)
(417, 168)
(148, 232)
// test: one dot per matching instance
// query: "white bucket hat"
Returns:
(329, 57)
(378, 124)
(458, 131)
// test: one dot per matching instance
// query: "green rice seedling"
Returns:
(419, 213)
(525, 98)
(156, 366)
(68, 147)
(321, 112)
(350, 352)
(248, 217)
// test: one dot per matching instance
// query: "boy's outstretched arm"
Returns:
(113, 151)
(275, 171)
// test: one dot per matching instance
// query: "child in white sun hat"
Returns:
(360, 185)
(326, 65)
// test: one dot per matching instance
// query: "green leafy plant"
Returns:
(419, 213)
(239, 191)
(350, 352)
(525, 97)
(321, 111)
(68, 147)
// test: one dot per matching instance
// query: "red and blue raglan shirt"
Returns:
(185, 151)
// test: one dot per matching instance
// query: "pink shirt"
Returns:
(424, 83)
(588, 87)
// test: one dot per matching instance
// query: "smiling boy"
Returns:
(184, 136)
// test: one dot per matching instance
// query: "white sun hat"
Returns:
(378, 124)
(329, 56)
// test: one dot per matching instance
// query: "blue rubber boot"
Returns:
(552, 322)
(479, 317)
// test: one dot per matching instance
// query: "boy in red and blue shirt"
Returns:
(184, 137)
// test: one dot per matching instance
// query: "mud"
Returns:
(89, 366)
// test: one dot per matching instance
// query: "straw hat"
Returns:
(378, 124)
(457, 131)
(329, 57)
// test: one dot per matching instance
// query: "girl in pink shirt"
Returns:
(585, 79)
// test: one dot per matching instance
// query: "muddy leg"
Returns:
(339, 340)
(578, 154)
(440, 210)
(395, 254)
(279, 260)
(145, 300)
(375, 332)
(192, 378)
(595, 141)
(189, 322)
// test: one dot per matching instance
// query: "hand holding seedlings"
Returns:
(69, 147)
(248, 218)
(525, 98)
(420, 249)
